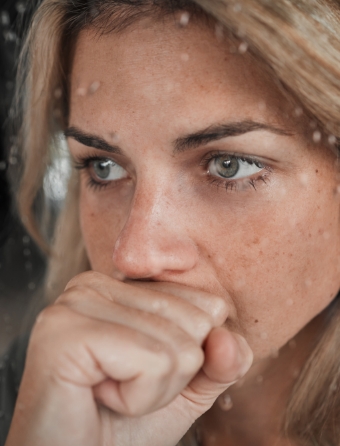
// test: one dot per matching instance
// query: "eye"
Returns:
(107, 170)
(233, 167)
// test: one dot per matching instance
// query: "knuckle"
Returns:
(84, 278)
(75, 295)
(220, 310)
(203, 323)
(191, 359)
(165, 363)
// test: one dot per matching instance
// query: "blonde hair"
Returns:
(299, 43)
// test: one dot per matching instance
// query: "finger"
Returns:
(227, 358)
(91, 353)
(216, 306)
(89, 302)
(189, 317)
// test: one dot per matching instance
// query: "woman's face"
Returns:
(196, 170)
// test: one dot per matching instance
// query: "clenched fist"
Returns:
(120, 364)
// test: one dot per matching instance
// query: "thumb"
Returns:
(228, 357)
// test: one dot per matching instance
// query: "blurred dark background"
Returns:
(22, 265)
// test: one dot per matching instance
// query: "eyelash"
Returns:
(84, 164)
(233, 185)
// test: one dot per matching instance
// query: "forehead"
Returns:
(155, 67)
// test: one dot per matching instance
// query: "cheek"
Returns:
(281, 268)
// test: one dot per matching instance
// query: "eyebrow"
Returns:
(188, 142)
(90, 140)
(220, 131)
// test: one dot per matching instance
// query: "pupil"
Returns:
(229, 167)
(102, 169)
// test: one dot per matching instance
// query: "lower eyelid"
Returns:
(242, 183)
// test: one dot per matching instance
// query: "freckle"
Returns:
(256, 321)
(316, 171)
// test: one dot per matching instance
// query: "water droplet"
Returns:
(26, 239)
(237, 7)
(3, 165)
(308, 283)
(296, 373)
(264, 335)
(94, 11)
(337, 189)
(262, 106)
(274, 353)
(225, 402)
(198, 435)
(114, 137)
(20, 7)
(303, 178)
(57, 93)
(243, 47)
(156, 305)
(14, 150)
(185, 57)
(240, 32)
(290, 302)
(333, 387)
(12, 160)
(31, 286)
(81, 91)
(240, 283)
(259, 379)
(298, 112)
(9, 85)
(28, 266)
(57, 113)
(184, 18)
(27, 252)
(219, 31)
(312, 124)
(326, 235)
(4, 18)
(10, 36)
(332, 140)
(317, 136)
(94, 87)
(292, 344)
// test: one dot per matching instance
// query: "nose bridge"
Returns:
(153, 240)
(151, 204)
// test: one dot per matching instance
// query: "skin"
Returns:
(184, 269)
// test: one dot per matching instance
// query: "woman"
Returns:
(204, 203)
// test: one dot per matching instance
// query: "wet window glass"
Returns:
(169, 240)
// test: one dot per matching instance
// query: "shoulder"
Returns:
(11, 370)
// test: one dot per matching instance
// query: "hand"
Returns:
(117, 364)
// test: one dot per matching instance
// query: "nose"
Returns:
(153, 241)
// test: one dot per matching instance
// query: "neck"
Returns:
(251, 413)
